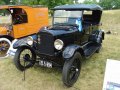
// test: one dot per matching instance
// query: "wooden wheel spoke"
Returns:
(23, 53)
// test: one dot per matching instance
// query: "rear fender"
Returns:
(100, 36)
(97, 36)
(8, 37)
(103, 34)
(70, 50)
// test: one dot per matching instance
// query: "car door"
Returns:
(87, 26)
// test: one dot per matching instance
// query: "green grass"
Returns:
(92, 73)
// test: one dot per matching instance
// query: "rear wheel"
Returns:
(71, 70)
(24, 58)
(4, 46)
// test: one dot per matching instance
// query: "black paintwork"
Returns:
(70, 50)
(86, 42)
(78, 7)
(80, 38)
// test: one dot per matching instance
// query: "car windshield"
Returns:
(5, 17)
(68, 17)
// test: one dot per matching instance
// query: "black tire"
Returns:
(30, 59)
(68, 68)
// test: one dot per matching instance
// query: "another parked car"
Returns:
(74, 35)
(17, 21)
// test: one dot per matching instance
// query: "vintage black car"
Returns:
(75, 34)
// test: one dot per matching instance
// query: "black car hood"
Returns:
(59, 31)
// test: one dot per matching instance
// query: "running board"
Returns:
(91, 49)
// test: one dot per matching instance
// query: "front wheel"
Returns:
(71, 70)
(24, 58)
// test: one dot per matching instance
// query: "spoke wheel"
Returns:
(24, 58)
(71, 70)
(4, 46)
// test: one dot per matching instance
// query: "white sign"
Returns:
(112, 75)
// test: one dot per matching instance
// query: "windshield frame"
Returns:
(53, 19)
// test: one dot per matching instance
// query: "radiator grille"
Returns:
(46, 44)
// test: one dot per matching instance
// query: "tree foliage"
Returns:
(110, 4)
(106, 4)
(90, 2)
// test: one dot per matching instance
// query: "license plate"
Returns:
(45, 64)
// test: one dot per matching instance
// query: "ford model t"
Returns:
(74, 35)
(19, 21)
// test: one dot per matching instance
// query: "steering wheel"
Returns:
(18, 19)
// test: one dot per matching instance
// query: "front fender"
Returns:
(70, 50)
(18, 45)
(28, 47)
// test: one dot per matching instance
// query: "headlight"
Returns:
(58, 44)
(30, 40)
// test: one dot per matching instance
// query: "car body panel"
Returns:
(85, 42)
(36, 17)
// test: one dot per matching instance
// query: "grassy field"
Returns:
(92, 73)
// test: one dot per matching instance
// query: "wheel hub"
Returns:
(26, 57)
(77, 69)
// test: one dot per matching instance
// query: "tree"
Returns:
(110, 4)
(48, 3)
(52, 3)
(116, 4)
(6, 1)
(90, 2)
(2, 3)
(106, 4)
